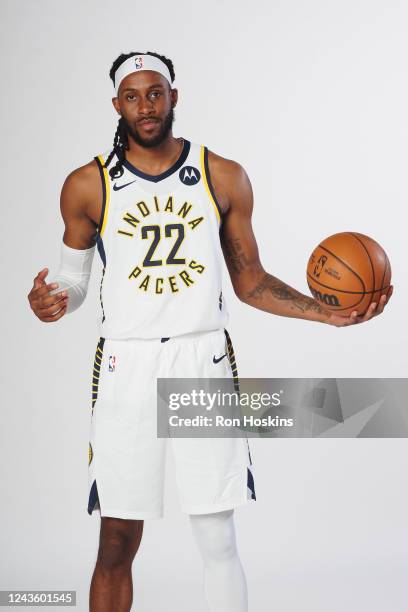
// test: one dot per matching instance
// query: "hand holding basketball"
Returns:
(373, 310)
(350, 274)
(47, 307)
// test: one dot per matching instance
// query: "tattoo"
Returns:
(306, 303)
(282, 291)
(235, 255)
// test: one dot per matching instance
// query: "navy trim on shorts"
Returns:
(251, 484)
(93, 501)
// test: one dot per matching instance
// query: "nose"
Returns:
(145, 106)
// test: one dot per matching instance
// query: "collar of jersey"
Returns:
(158, 177)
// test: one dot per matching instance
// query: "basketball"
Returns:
(347, 272)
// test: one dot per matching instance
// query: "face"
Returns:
(146, 103)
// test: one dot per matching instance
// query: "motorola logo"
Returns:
(189, 175)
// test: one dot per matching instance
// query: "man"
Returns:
(162, 211)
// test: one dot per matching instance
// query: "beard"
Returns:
(165, 127)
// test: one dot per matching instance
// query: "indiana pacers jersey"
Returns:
(158, 239)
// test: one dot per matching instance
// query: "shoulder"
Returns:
(82, 176)
(219, 163)
(81, 187)
(229, 179)
(226, 169)
(84, 180)
(89, 173)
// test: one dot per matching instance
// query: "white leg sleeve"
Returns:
(225, 585)
(73, 274)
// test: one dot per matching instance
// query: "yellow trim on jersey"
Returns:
(204, 175)
(107, 194)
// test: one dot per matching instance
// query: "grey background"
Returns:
(311, 98)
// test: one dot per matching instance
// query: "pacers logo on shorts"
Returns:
(112, 363)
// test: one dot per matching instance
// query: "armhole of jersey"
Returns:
(208, 184)
(105, 193)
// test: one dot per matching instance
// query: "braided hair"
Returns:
(121, 141)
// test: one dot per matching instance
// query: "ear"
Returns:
(115, 102)
(174, 97)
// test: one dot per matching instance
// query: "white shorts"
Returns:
(126, 459)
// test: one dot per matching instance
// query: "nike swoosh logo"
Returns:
(118, 187)
(215, 360)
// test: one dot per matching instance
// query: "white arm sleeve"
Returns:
(73, 274)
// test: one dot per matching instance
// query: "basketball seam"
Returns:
(346, 307)
(344, 290)
(357, 303)
(370, 260)
(385, 269)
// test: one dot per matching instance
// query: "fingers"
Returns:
(50, 311)
(344, 321)
(44, 290)
(36, 297)
(50, 300)
(389, 293)
(39, 283)
(57, 315)
(381, 304)
(377, 308)
(374, 309)
(370, 312)
(47, 307)
(36, 294)
(353, 318)
(40, 278)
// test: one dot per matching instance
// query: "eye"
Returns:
(155, 93)
(130, 97)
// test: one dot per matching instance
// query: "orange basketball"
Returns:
(348, 271)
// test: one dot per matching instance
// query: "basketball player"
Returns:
(161, 212)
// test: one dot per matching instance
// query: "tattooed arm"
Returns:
(252, 284)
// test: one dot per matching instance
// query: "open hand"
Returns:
(372, 311)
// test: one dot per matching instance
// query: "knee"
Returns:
(218, 546)
(115, 552)
(224, 549)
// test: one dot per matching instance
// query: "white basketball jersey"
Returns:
(158, 239)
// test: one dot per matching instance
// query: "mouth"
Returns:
(148, 124)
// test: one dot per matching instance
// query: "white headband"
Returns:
(137, 63)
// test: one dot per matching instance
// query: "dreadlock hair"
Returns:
(121, 141)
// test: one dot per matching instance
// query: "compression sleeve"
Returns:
(73, 274)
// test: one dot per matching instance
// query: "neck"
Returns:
(154, 160)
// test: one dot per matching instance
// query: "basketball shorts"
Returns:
(127, 459)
